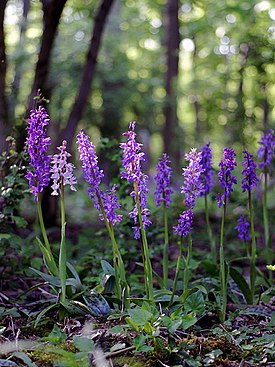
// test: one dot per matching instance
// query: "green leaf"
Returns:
(107, 267)
(194, 264)
(25, 358)
(148, 328)
(20, 222)
(4, 236)
(74, 283)
(56, 336)
(242, 284)
(53, 280)
(116, 329)
(84, 344)
(162, 296)
(140, 343)
(188, 321)
(43, 312)
(139, 316)
(74, 272)
(201, 288)
(48, 256)
(195, 303)
(172, 325)
(132, 323)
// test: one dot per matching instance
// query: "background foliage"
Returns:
(224, 89)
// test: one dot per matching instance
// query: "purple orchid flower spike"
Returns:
(243, 228)
(163, 180)
(266, 150)
(207, 175)
(62, 171)
(250, 179)
(227, 165)
(192, 186)
(131, 162)
(185, 222)
(93, 176)
(37, 145)
(192, 189)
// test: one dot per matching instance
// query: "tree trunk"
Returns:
(240, 112)
(88, 73)
(170, 109)
(3, 67)
(18, 64)
(52, 10)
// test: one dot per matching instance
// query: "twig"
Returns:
(118, 352)
(162, 364)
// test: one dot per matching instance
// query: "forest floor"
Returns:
(247, 338)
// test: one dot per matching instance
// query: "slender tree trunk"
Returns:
(4, 127)
(170, 132)
(88, 73)
(52, 10)
(18, 63)
(240, 113)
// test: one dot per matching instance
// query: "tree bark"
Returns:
(88, 73)
(3, 68)
(240, 112)
(170, 108)
(52, 10)
(18, 64)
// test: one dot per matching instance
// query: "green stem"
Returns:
(187, 265)
(209, 231)
(62, 251)
(222, 267)
(42, 225)
(165, 248)
(253, 247)
(47, 253)
(118, 263)
(268, 245)
(120, 277)
(265, 213)
(177, 272)
(148, 272)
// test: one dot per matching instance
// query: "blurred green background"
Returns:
(220, 87)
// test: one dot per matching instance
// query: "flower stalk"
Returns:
(165, 247)
(192, 188)
(249, 181)
(177, 272)
(227, 165)
(209, 232)
(106, 203)
(187, 263)
(163, 196)
(62, 250)
(265, 155)
(131, 162)
(148, 272)
(223, 277)
(207, 181)
(46, 248)
(253, 247)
